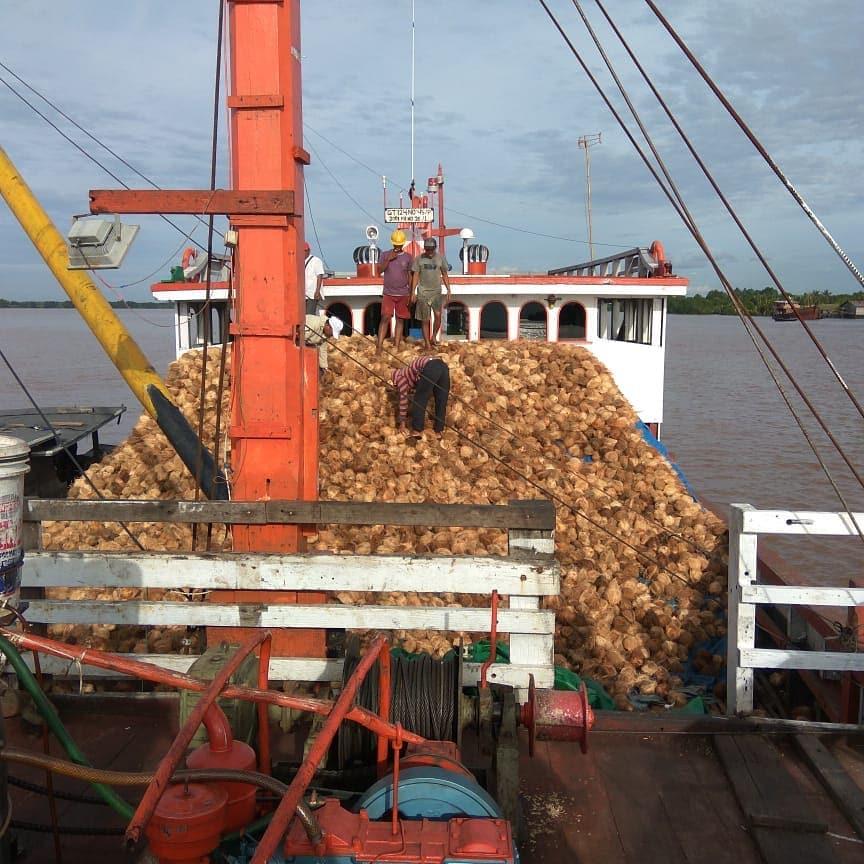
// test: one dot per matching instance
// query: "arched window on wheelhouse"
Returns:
(571, 322)
(493, 321)
(533, 322)
(456, 320)
(343, 312)
(371, 319)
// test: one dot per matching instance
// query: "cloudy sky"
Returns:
(501, 102)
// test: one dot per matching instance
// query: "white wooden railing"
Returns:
(527, 574)
(747, 592)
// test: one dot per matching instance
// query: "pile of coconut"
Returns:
(643, 565)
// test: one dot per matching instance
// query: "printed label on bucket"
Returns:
(10, 583)
(10, 530)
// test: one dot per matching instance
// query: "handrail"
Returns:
(746, 593)
(526, 574)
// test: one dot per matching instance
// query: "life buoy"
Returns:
(190, 256)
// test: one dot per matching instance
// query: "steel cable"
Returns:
(690, 225)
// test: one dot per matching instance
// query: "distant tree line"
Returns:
(67, 304)
(717, 302)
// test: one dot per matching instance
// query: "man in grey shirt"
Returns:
(427, 272)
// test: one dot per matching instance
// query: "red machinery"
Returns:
(427, 805)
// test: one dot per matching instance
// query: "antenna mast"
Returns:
(586, 142)
(412, 92)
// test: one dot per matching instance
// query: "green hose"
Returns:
(46, 709)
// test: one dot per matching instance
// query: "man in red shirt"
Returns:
(395, 267)
(426, 376)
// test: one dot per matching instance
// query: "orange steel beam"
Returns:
(274, 431)
(206, 202)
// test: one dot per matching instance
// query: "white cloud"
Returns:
(500, 102)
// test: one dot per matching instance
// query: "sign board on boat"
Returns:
(408, 214)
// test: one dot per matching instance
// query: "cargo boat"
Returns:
(615, 307)
(643, 796)
(785, 310)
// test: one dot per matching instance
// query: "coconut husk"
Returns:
(638, 556)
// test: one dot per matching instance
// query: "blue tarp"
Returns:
(660, 447)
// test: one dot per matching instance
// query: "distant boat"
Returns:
(786, 311)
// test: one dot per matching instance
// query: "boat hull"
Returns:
(806, 313)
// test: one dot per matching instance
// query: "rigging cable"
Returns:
(662, 529)
(694, 232)
(343, 152)
(311, 217)
(742, 312)
(344, 190)
(757, 144)
(692, 226)
(78, 147)
(450, 209)
(66, 449)
(208, 289)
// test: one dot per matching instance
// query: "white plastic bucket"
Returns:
(14, 464)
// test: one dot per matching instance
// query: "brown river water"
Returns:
(726, 423)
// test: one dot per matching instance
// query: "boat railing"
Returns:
(634, 262)
(748, 592)
(527, 574)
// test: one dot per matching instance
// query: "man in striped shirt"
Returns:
(426, 376)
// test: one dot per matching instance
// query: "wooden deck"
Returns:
(631, 798)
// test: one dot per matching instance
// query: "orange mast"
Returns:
(274, 431)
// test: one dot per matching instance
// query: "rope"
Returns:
(423, 699)
(690, 225)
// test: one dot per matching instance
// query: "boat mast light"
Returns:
(99, 244)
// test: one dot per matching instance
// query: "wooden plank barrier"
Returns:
(528, 573)
(747, 592)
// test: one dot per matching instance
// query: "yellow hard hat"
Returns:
(397, 238)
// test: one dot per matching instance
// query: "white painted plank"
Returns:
(291, 669)
(741, 617)
(530, 649)
(776, 658)
(794, 595)
(803, 522)
(314, 572)
(135, 612)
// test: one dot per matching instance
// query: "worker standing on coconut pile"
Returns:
(319, 330)
(426, 376)
(395, 266)
(314, 268)
(427, 272)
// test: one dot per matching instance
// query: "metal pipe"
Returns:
(384, 675)
(205, 705)
(158, 675)
(89, 774)
(285, 810)
(218, 728)
(493, 640)
(261, 707)
(121, 348)
(49, 714)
